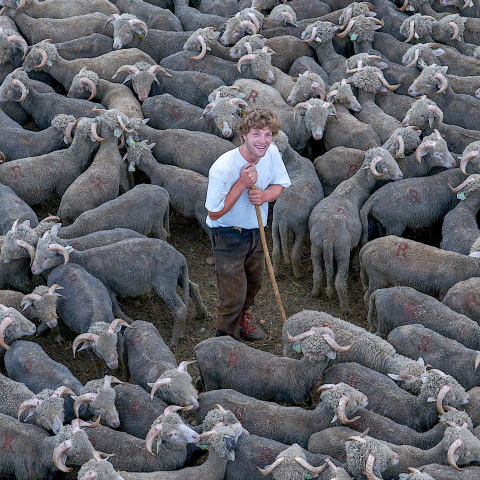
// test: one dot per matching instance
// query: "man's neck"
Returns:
(247, 156)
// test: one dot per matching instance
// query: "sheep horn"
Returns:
(301, 461)
(220, 408)
(159, 383)
(422, 147)
(451, 452)
(318, 87)
(44, 56)
(33, 297)
(60, 391)
(248, 47)
(20, 5)
(183, 365)
(250, 25)
(440, 397)
(69, 130)
(348, 16)
(86, 398)
(118, 322)
(477, 360)
(91, 85)
(245, 59)
(327, 386)
(312, 36)
(330, 105)
(347, 29)
(307, 106)
(78, 423)
(404, 6)
(443, 82)
(369, 467)
(269, 468)
(14, 225)
(122, 125)
(466, 158)
(301, 336)
(156, 68)
(377, 21)
(332, 94)
(455, 30)
(110, 379)
(373, 167)
(462, 185)
(203, 52)
(21, 41)
(27, 247)
(415, 59)
(328, 338)
(32, 403)
(369, 5)
(58, 456)
(412, 32)
(437, 111)
(238, 101)
(384, 81)
(3, 159)
(254, 20)
(55, 247)
(122, 141)
(55, 286)
(127, 68)
(111, 19)
(93, 132)
(153, 433)
(84, 337)
(437, 133)
(51, 218)
(22, 86)
(342, 403)
(135, 22)
(401, 147)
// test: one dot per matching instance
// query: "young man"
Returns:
(236, 242)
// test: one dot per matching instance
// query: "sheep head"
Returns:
(422, 55)
(247, 21)
(13, 325)
(41, 56)
(431, 81)
(403, 141)
(247, 45)
(316, 113)
(381, 164)
(308, 85)
(43, 304)
(341, 93)
(226, 113)
(344, 400)
(424, 114)
(125, 28)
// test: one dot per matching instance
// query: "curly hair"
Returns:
(258, 119)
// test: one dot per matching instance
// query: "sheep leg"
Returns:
(284, 240)
(200, 307)
(166, 220)
(57, 337)
(363, 276)
(341, 280)
(372, 314)
(317, 255)
(276, 254)
(117, 311)
(297, 252)
(329, 259)
(178, 309)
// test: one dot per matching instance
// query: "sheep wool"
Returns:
(61, 121)
(49, 48)
(217, 440)
(344, 93)
(10, 395)
(81, 445)
(225, 92)
(365, 58)
(473, 187)
(325, 32)
(415, 475)
(459, 417)
(434, 380)
(107, 341)
(23, 232)
(367, 79)
(48, 409)
(423, 26)
(356, 9)
(411, 139)
(303, 89)
(290, 469)
(420, 115)
(443, 31)
(210, 36)
(471, 147)
(281, 141)
(215, 416)
(84, 127)
(277, 15)
(315, 348)
(103, 470)
(356, 399)
(377, 152)
(425, 55)
(86, 73)
(469, 450)
(415, 4)
(363, 29)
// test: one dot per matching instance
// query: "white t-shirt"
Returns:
(225, 172)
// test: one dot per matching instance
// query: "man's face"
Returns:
(257, 141)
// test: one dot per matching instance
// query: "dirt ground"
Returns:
(188, 238)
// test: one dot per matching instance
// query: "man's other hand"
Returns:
(257, 196)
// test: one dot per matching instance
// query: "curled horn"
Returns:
(326, 386)
(4, 324)
(110, 379)
(60, 391)
(332, 94)
(111, 19)
(312, 36)
(369, 467)
(437, 133)
(401, 147)
(58, 456)
(27, 247)
(20, 5)
(301, 461)
(203, 52)
(248, 47)
(462, 185)
(51, 218)
(477, 360)
(32, 403)
(21, 41)
(95, 135)
(347, 29)
(122, 125)
(3, 159)
(373, 167)
(55, 247)
(451, 452)
(55, 286)
(342, 403)
(254, 20)
(412, 32)
(183, 365)
(238, 101)
(301, 336)
(249, 25)
(270, 468)
(348, 15)
(122, 141)
(440, 397)
(422, 147)
(245, 59)
(437, 111)
(384, 81)
(153, 433)
(33, 297)
(455, 30)
(328, 338)
(86, 398)
(22, 86)
(44, 56)
(377, 21)
(78, 423)
(118, 322)
(84, 337)
(135, 22)
(320, 89)
(127, 68)
(159, 383)
(369, 5)
(404, 6)
(156, 68)
(305, 105)
(443, 82)
(289, 17)
(415, 59)
(90, 85)
(465, 159)
(14, 225)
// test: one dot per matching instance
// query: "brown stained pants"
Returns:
(240, 267)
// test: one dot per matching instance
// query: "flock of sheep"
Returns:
(380, 133)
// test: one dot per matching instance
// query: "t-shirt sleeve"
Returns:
(217, 192)
(280, 175)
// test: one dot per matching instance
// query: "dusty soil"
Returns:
(193, 242)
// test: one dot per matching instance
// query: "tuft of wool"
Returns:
(103, 470)
(325, 32)
(215, 416)
(239, 50)
(420, 115)
(356, 8)
(210, 36)
(344, 95)
(472, 146)
(423, 26)
(315, 348)
(290, 469)
(376, 152)
(277, 15)
(84, 127)
(50, 50)
(443, 31)
(410, 137)
(61, 121)
(367, 79)
(99, 328)
(426, 54)
(415, 4)
(356, 399)
(363, 28)
(458, 417)
(434, 381)
(281, 141)
(90, 74)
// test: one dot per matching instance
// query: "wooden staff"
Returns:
(269, 262)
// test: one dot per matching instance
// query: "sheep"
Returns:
(64, 9)
(220, 442)
(175, 146)
(403, 142)
(99, 469)
(237, 26)
(43, 107)
(203, 39)
(192, 19)
(15, 274)
(163, 269)
(462, 297)
(13, 44)
(340, 212)
(289, 380)
(105, 176)
(13, 326)
(12, 208)
(439, 351)
(188, 190)
(308, 85)
(416, 262)
(354, 10)
(44, 53)
(32, 454)
(443, 472)
(414, 202)
(281, 16)
(255, 42)
(424, 114)
(163, 449)
(31, 144)
(292, 209)
(287, 424)
(418, 26)
(422, 54)
(86, 84)
(361, 29)
(150, 362)
(85, 47)
(368, 350)
(387, 399)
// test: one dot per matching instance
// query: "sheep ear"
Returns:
(334, 419)
(85, 345)
(395, 377)
(151, 145)
(332, 355)
(444, 69)
(27, 304)
(438, 51)
(431, 399)
(145, 121)
(421, 361)
(26, 222)
(434, 23)
(54, 229)
(383, 88)
(129, 77)
(464, 19)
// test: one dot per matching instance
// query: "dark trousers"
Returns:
(240, 267)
